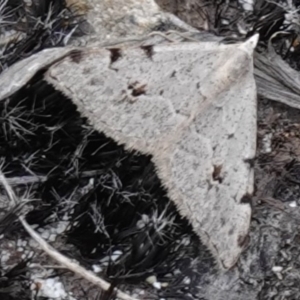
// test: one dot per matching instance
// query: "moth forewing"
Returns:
(212, 202)
(193, 110)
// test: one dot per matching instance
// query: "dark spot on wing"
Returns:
(137, 89)
(250, 161)
(115, 54)
(230, 136)
(217, 173)
(246, 199)
(76, 56)
(173, 74)
(148, 50)
(231, 231)
(95, 81)
(141, 90)
(86, 71)
(223, 222)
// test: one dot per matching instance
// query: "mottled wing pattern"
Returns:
(192, 106)
(208, 174)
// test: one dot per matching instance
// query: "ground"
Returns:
(78, 185)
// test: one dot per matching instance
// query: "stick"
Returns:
(66, 262)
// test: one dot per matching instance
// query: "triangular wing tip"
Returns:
(250, 44)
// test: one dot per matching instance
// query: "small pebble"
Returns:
(45, 234)
(151, 279)
(277, 269)
(97, 268)
(157, 285)
(116, 254)
(177, 272)
(52, 237)
(187, 280)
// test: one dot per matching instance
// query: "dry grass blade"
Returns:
(10, 193)
(275, 79)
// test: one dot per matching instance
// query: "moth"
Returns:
(190, 105)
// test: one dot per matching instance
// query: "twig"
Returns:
(34, 179)
(74, 267)
(13, 181)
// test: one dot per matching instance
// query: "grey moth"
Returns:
(190, 105)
